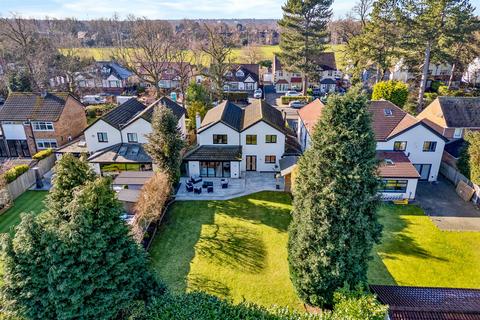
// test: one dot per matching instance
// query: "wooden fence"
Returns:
(26, 180)
(153, 227)
(454, 176)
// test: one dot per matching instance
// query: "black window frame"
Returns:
(268, 138)
(102, 134)
(400, 142)
(133, 134)
(398, 182)
(270, 156)
(250, 137)
(217, 139)
(430, 144)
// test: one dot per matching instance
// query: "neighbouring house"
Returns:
(408, 149)
(31, 122)
(436, 72)
(105, 76)
(284, 80)
(242, 77)
(171, 77)
(472, 74)
(452, 116)
(423, 303)
(233, 139)
(115, 141)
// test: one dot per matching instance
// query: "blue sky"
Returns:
(161, 9)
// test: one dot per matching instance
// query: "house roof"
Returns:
(455, 147)
(77, 146)
(23, 106)
(422, 303)
(259, 110)
(251, 70)
(395, 164)
(121, 153)
(147, 114)
(116, 68)
(128, 195)
(133, 177)
(387, 118)
(460, 112)
(122, 114)
(216, 153)
(328, 81)
(296, 79)
(276, 65)
(282, 81)
(310, 114)
(227, 113)
(326, 61)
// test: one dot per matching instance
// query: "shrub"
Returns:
(444, 91)
(357, 305)
(287, 100)
(236, 96)
(394, 91)
(15, 172)
(42, 154)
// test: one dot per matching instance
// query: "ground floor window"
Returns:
(270, 159)
(46, 144)
(18, 148)
(394, 186)
(215, 169)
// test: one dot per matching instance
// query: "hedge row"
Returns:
(287, 100)
(236, 96)
(15, 172)
(42, 154)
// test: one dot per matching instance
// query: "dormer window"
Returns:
(388, 112)
(239, 73)
(229, 74)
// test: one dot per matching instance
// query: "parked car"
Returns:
(292, 94)
(93, 99)
(296, 104)
(257, 94)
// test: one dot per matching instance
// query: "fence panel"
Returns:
(26, 180)
(454, 176)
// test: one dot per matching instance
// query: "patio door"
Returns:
(423, 170)
(251, 163)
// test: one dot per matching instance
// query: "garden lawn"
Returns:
(30, 201)
(235, 249)
(414, 252)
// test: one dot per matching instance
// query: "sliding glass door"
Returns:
(215, 169)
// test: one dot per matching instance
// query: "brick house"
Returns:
(31, 122)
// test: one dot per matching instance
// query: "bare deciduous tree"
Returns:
(150, 51)
(153, 197)
(218, 49)
(251, 54)
(362, 10)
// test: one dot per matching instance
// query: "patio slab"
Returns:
(250, 182)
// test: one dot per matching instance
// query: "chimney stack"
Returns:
(198, 121)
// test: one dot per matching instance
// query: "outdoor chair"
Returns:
(224, 183)
(210, 189)
(195, 179)
(189, 187)
(197, 190)
(207, 184)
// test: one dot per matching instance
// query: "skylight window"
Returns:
(388, 112)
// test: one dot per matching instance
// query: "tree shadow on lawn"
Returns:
(234, 247)
(197, 282)
(395, 239)
(272, 209)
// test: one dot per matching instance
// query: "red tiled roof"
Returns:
(385, 126)
(296, 79)
(421, 303)
(399, 165)
(281, 81)
(310, 114)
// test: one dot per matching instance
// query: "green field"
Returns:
(266, 53)
(236, 249)
(30, 201)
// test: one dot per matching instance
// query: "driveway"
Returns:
(446, 209)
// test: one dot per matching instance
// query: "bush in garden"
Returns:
(394, 91)
(43, 154)
(15, 172)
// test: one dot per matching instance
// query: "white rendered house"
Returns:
(115, 141)
(231, 140)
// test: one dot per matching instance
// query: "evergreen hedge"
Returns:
(394, 91)
(42, 154)
(287, 100)
(15, 172)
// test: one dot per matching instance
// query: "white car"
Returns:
(296, 104)
(93, 99)
(292, 94)
(257, 94)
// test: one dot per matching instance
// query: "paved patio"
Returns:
(250, 182)
(446, 209)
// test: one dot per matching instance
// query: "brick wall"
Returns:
(30, 139)
(71, 123)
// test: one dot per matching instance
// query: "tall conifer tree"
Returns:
(335, 222)
(304, 34)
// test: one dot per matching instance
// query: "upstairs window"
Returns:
(271, 138)
(132, 137)
(429, 146)
(42, 126)
(102, 137)
(251, 139)
(240, 74)
(220, 139)
(400, 145)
